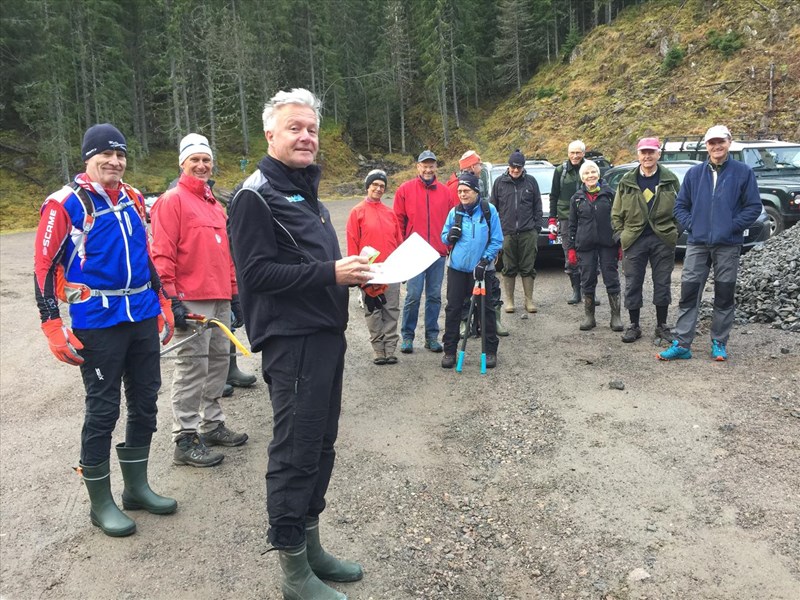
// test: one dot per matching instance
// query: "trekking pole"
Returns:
(482, 289)
(460, 362)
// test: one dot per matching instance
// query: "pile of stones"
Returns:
(768, 288)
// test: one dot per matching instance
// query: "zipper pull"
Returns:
(321, 218)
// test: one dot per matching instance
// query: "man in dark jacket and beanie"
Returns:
(717, 201)
(648, 231)
(293, 288)
(567, 181)
(519, 204)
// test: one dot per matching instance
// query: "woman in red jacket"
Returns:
(374, 224)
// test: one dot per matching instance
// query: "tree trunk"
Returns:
(389, 126)
(453, 77)
(176, 105)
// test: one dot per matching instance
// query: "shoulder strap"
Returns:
(487, 216)
(564, 172)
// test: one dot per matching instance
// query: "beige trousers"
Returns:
(201, 369)
(382, 324)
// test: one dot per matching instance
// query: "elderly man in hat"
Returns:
(91, 252)
(421, 205)
(717, 201)
(516, 196)
(473, 231)
(648, 231)
(470, 162)
(193, 258)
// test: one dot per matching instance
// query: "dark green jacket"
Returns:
(564, 186)
(629, 215)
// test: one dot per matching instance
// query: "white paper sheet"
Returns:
(410, 259)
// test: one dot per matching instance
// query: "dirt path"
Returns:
(534, 481)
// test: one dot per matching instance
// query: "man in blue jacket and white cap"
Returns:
(717, 201)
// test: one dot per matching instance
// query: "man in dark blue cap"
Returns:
(421, 205)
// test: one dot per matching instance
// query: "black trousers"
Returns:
(459, 289)
(608, 265)
(304, 376)
(126, 353)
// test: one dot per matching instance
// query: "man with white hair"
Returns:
(567, 181)
(717, 201)
(293, 283)
(192, 256)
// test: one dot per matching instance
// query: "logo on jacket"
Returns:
(295, 198)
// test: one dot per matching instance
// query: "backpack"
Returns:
(72, 293)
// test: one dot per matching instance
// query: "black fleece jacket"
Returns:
(285, 249)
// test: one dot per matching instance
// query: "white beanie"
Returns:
(194, 143)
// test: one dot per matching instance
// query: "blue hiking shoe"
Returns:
(718, 351)
(675, 352)
(433, 345)
(407, 346)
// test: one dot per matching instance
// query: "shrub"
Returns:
(673, 58)
(572, 41)
(727, 43)
(545, 92)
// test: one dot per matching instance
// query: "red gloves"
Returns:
(552, 226)
(166, 320)
(572, 257)
(63, 342)
(619, 254)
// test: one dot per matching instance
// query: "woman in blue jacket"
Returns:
(473, 233)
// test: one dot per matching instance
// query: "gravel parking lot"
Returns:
(537, 480)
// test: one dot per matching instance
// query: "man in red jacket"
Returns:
(421, 205)
(193, 258)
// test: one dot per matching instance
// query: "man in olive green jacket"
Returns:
(566, 182)
(643, 222)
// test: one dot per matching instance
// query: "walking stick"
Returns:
(482, 290)
(460, 362)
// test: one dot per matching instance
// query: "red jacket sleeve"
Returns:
(51, 237)
(165, 222)
(354, 231)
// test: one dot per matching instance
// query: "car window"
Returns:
(544, 178)
(612, 177)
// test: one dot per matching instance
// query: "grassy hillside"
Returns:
(614, 89)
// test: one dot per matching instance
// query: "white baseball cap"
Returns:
(717, 132)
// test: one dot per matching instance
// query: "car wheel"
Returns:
(775, 220)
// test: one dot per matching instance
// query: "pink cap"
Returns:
(651, 143)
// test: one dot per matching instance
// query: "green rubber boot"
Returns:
(105, 513)
(137, 493)
(299, 581)
(589, 321)
(323, 564)
(614, 305)
(501, 331)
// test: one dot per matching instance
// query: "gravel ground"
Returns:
(537, 480)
